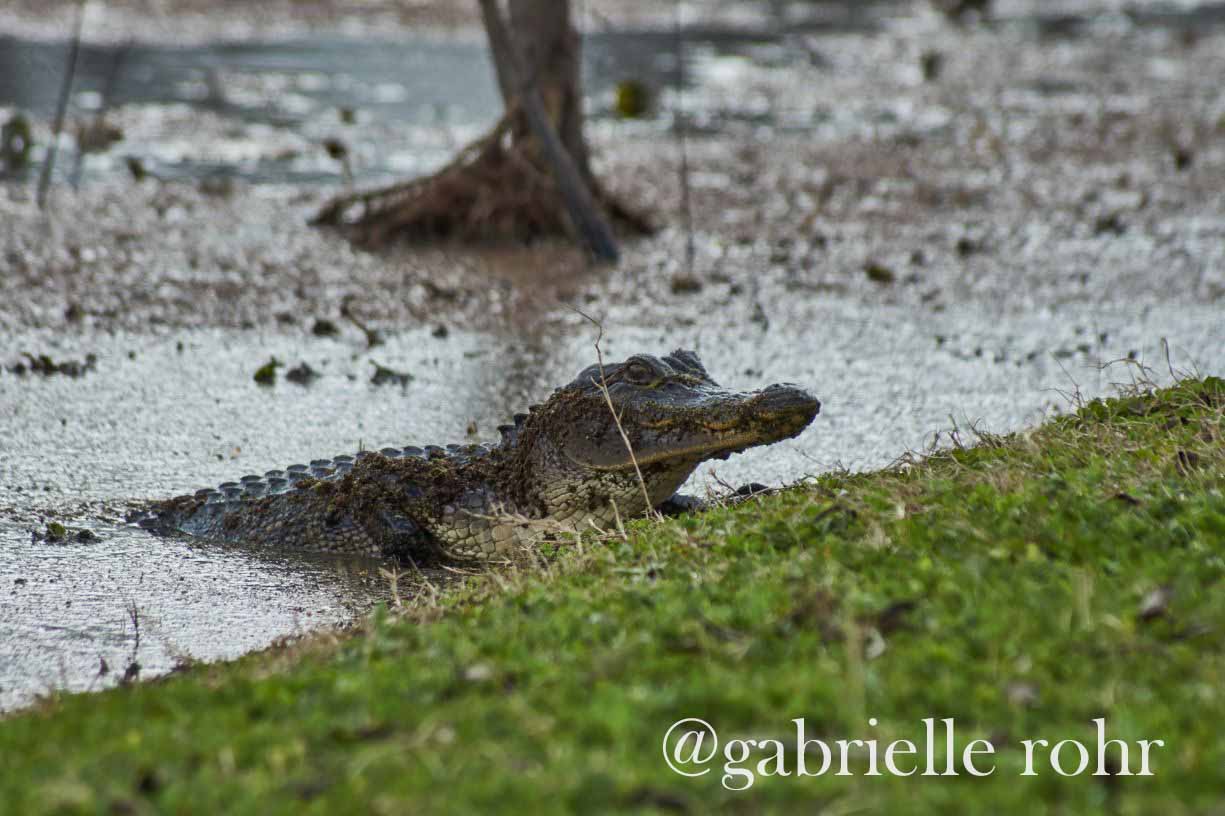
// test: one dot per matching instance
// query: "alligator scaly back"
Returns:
(314, 507)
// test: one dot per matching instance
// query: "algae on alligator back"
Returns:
(617, 441)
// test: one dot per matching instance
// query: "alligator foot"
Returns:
(680, 503)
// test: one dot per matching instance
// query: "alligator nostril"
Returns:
(785, 398)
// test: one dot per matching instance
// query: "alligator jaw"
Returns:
(720, 425)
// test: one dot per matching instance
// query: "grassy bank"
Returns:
(1023, 587)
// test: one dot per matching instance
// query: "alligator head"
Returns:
(673, 417)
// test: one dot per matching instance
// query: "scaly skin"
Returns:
(563, 466)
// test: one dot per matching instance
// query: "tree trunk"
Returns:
(536, 128)
(552, 56)
(530, 176)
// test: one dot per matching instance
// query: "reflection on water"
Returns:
(168, 421)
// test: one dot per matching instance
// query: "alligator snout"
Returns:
(788, 398)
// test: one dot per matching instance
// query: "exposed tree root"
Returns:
(496, 189)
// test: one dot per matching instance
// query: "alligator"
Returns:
(614, 443)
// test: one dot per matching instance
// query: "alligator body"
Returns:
(564, 465)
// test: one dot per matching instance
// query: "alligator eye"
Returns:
(639, 373)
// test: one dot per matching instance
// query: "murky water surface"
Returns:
(167, 421)
(994, 329)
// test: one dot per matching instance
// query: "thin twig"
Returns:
(132, 673)
(373, 338)
(108, 91)
(1165, 348)
(74, 50)
(679, 128)
(1076, 399)
(392, 577)
(617, 519)
(428, 583)
(134, 617)
(603, 386)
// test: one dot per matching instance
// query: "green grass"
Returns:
(1023, 587)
